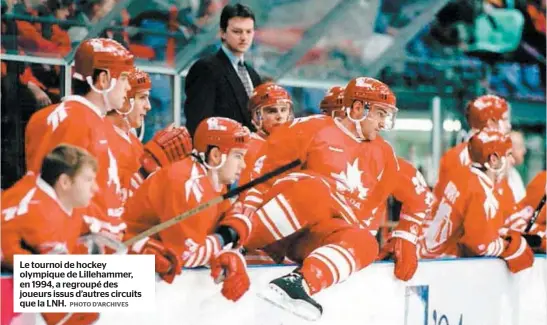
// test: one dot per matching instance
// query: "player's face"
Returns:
(235, 163)
(117, 96)
(506, 166)
(141, 106)
(378, 118)
(519, 148)
(84, 187)
(239, 34)
(275, 115)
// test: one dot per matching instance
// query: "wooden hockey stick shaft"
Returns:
(536, 214)
(166, 224)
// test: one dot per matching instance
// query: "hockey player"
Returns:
(270, 106)
(411, 189)
(221, 144)
(488, 111)
(43, 219)
(126, 147)
(417, 200)
(135, 161)
(467, 216)
(332, 103)
(526, 208)
(342, 161)
(100, 83)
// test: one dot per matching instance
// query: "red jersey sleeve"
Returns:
(414, 194)
(287, 143)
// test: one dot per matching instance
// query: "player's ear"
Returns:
(357, 109)
(64, 181)
(102, 81)
(215, 157)
(494, 159)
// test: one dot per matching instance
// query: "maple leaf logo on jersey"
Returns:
(429, 199)
(350, 179)
(113, 177)
(491, 204)
(259, 163)
(192, 185)
(465, 159)
(419, 183)
(57, 116)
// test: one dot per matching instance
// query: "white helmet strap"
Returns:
(497, 171)
(103, 92)
(357, 122)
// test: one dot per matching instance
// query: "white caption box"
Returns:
(84, 283)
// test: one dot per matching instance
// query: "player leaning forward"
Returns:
(343, 163)
(468, 218)
(221, 145)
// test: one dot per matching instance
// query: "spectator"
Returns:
(513, 177)
(220, 85)
(58, 9)
(89, 12)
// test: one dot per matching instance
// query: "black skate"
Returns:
(288, 292)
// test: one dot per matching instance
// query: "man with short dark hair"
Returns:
(220, 85)
(44, 218)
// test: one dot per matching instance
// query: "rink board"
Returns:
(443, 292)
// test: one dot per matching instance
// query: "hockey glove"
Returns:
(229, 267)
(168, 262)
(517, 254)
(167, 146)
(404, 255)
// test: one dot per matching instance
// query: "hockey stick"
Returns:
(536, 214)
(164, 225)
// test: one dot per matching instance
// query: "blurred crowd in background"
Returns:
(468, 48)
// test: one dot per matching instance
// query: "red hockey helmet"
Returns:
(221, 132)
(266, 95)
(483, 108)
(486, 143)
(372, 93)
(139, 81)
(333, 101)
(104, 54)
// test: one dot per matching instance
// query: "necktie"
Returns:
(243, 75)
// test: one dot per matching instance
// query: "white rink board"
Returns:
(446, 292)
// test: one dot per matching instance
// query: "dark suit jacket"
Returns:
(213, 88)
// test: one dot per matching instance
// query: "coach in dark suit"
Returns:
(220, 85)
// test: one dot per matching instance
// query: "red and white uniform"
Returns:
(525, 209)
(358, 171)
(416, 198)
(35, 222)
(172, 191)
(255, 146)
(79, 122)
(452, 160)
(324, 231)
(127, 149)
(467, 218)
